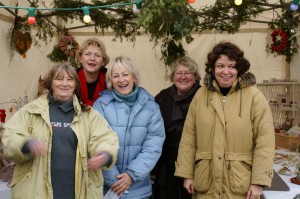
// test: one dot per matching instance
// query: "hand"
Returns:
(123, 184)
(254, 191)
(188, 184)
(153, 179)
(37, 147)
(98, 161)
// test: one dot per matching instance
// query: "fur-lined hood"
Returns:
(245, 80)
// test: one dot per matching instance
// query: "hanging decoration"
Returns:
(279, 40)
(31, 13)
(86, 13)
(65, 50)
(68, 45)
(191, 1)
(238, 2)
(2, 115)
(22, 41)
(294, 5)
(282, 42)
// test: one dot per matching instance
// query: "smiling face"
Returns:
(225, 71)
(92, 59)
(122, 80)
(63, 86)
(183, 79)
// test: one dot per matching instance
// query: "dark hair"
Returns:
(233, 52)
(57, 69)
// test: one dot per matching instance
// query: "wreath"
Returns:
(68, 45)
(282, 41)
(65, 50)
(279, 40)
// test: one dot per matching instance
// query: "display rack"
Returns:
(284, 100)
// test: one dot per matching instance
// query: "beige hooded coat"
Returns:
(228, 142)
(32, 177)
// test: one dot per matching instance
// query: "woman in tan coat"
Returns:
(59, 144)
(227, 146)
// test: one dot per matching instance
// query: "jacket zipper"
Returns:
(224, 100)
(124, 147)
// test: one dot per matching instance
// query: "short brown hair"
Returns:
(57, 69)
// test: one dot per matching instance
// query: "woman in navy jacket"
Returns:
(133, 114)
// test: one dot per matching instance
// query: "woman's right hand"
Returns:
(188, 184)
(37, 147)
(124, 182)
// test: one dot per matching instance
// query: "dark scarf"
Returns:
(179, 106)
(84, 89)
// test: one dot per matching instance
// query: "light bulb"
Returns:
(86, 12)
(31, 20)
(31, 13)
(238, 2)
(87, 19)
(138, 5)
(293, 7)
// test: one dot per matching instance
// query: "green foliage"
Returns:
(167, 22)
(58, 56)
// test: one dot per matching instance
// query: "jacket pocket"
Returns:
(239, 176)
(202, 176)
(23, 188)
(95, 184)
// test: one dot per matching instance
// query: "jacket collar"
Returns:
(41, 104)
(107, 96)
(243, 81)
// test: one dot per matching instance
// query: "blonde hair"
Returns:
(92, 42)
(188, 62)
(120, 62)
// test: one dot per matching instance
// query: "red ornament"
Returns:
(2, 115)
(191, 1)
(31, 20)
(279, 39)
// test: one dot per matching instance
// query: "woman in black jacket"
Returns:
(174, 103)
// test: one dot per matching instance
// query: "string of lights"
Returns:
(86, 10)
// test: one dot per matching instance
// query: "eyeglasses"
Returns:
(186, 74)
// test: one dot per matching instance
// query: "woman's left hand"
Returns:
(254, 191)
(98, 161)
(123, 184)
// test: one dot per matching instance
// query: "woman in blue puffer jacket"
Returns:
(133, 114)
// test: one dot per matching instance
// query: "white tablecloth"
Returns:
(294, 188)
(4, 190)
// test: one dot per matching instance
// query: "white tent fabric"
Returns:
(19, 77)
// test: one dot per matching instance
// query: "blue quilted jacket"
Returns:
(141, 136)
